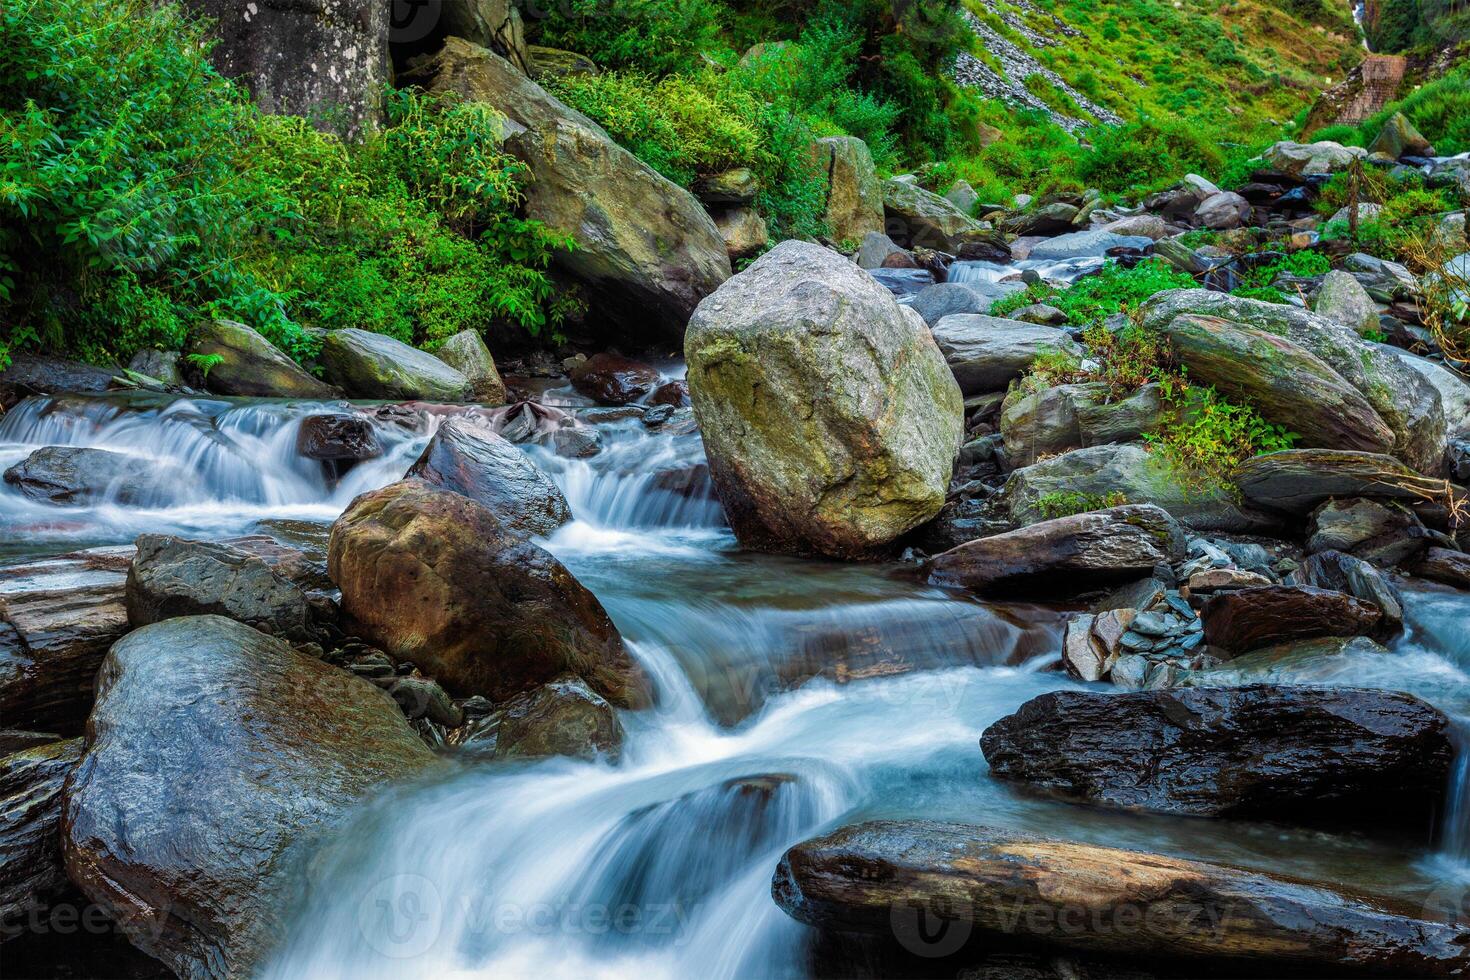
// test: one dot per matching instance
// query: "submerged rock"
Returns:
(173, 577)
(471, 459)
(564, 717)
(250, 365)
(830, 419)
(1068, 555)
(1336, 755)
(891, 879)
(196, 797)
(611, 379)
(432, 577)
(338, 437)
(374, 365)
(75, 475)
(31, 874)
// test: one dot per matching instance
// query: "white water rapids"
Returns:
(794, 696)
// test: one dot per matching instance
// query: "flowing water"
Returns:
(793, 696)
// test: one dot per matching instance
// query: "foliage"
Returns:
(1065, 503)
(1094, 298)
(141, 192)
(656, 36)
(1439, 109)
(1205, 437)
(1259, 282)
(1138, 153)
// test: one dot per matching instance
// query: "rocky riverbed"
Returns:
(776, 658)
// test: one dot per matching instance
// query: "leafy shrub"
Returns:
(1065, 503)
(655, 36)
(141, 192)
(1205, 437)
(1139, 153)
(1095, 298)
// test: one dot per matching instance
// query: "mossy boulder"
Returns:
(1405, 401)
(830, 418)
(466, 353)
(916, 217)
(646, 249)
(1343, 298)
(374, 365)
(250, 365)
(854, 204)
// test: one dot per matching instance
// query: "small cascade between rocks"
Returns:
(794, 696)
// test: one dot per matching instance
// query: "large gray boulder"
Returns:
(249, 364)
(470, 458)
(645, 247)
(987, 353)
(1403, 399)
(1085, 244)
(1056, 420)
(943, 299)
(914, 883)
(1311, 159)
(172, 577)
(830, 419)
(327, 60)
(215, 756)
(1287, 384)
(1453, 387)
(1342, 298)
(374, 365)
(1067, 555)
(916, 217)
(1141, 477)
(1260, 751)
(854, 206)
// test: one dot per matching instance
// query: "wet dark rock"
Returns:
(177, 577)
(611, 379)
(73, 475)
(434, 578)
(1334, 755)
(196, 797)
(1344, 573)
(471, 459)
(31, 874)
(564, 717)
(420, 697)
(675, 393)
(34, 374)
(250, 365)
(1343, 524)
(1444, 565)
(1249, 618)
(1068, 554)
(997, 885)
(57, 619)
(576, 442)
(338, 437)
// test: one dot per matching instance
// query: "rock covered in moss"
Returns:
(854, 206)
(830, 419)
(466, 353)
(248, 364)
(374, 365)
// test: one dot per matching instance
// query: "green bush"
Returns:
(654, 36)
(1094, 298)
(141, 192)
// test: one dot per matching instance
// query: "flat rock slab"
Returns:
(986, 353)
(881, 876)
(1246, 619)
(1297, 480)
(1287, 753)
(1067, 555)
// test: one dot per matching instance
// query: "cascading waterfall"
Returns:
(794, 696)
